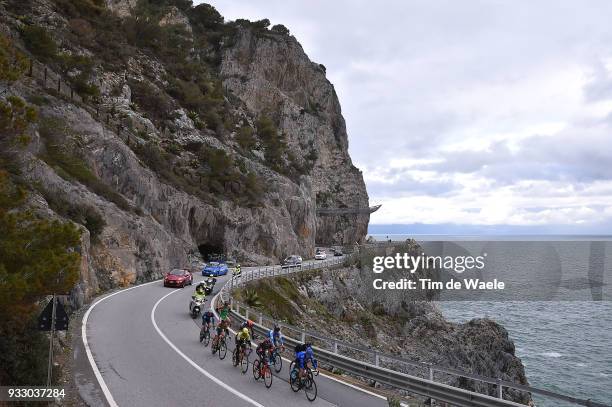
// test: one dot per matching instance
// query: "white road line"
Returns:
(194, 364)
(92, 362)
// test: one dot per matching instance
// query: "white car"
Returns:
(292, 261)
(320, 255)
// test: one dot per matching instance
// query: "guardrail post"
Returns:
(335, 347)
(303, 336)
(500, 390)
(260, 319)
(377, 359)
(246, 314)
(431, 373)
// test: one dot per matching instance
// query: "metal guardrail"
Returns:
(374, 370)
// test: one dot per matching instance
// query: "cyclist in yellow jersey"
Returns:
(243, 338)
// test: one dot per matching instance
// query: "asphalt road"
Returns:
(146, 348)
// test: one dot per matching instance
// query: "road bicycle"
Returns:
(219, 345)
(205, 334)
(276, 359)
(240, 356)
(261, 368)
(307, 382)
(309, 371)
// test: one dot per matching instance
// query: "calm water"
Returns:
(566, 346)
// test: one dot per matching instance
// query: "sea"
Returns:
(563, 336)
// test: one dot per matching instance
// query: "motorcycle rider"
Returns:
(199, 294)
(237, 270)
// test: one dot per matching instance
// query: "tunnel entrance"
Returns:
(211, 251)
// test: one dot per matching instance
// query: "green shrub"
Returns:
(39, 42)
(13, 64)
(83, 87)
(83, 214)
(151, 100)
(205, 17)
(261, 24)
(142, 32)
(245, 138)
(274, 143)
(91, 9)
(16, 119)
(279, 28)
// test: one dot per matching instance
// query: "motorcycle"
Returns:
(209, 285)
(237, 271)
(195, 306)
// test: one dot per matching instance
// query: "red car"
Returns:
(178, 278)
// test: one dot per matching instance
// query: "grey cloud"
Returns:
(413, 77)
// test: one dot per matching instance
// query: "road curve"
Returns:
(145, 346)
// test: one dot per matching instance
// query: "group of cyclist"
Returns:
(303, 353)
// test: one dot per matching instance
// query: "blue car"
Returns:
(215, 269)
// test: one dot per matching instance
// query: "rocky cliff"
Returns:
(341, 303)
(168, 133)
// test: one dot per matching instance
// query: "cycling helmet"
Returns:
(276, 328)
(245, 330)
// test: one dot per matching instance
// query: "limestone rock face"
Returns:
(271, 72)
(122, 8)
(175, 17)
(163, 210)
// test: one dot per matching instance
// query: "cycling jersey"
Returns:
(223, 313)
(276, 337)
(300, 359)
(309, 354)
(208, 317)
(243, 336)
(266, 345)
(222, 327)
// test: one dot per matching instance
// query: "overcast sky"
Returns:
(468, 112)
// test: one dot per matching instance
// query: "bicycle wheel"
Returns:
(294, 381)
(244, 363)
(267, 374)
(222, 349)
(202, 333)
(256, 372)
(235, 357)
(292, 365)
(206, 339)
(310, 388)
(215, 346)
(309, 373)
(278, 362)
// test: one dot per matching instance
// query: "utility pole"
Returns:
(50, 366)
